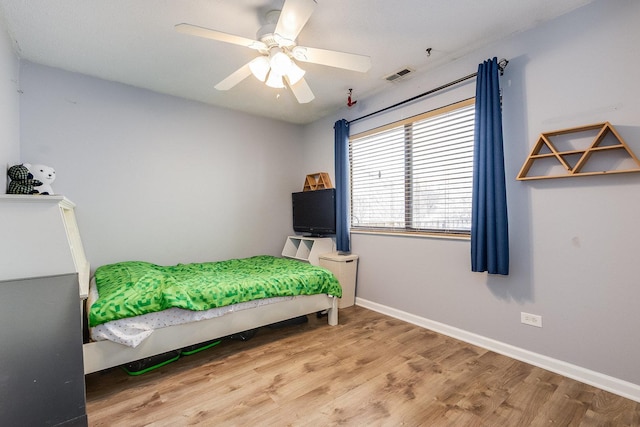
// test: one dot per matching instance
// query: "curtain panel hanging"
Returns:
(341, 129)
(489, 227)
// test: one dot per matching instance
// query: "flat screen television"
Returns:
(314, 212)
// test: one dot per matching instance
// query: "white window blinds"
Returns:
(415, 175)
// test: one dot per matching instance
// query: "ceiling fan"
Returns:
(276, 43)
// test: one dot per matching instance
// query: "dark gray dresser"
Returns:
(41, 369)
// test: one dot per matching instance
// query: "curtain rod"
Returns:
(502, 64)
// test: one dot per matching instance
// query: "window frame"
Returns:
(408, 174)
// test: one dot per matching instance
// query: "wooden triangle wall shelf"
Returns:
(607, 150)
(317, 181)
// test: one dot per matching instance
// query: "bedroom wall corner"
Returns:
(9, 105)
(318, 148)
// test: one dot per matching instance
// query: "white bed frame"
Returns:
(101, 355)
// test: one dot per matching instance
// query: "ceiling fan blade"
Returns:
(332, 58)
(194, 30)
(301, 91)
(294, 15)
(234, 78)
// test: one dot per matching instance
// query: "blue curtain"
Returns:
(489, 229)
(341, 129)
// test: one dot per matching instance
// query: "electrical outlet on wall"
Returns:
(531, 319)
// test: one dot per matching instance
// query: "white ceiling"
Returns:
(134, 42)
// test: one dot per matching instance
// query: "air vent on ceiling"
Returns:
(399, 75)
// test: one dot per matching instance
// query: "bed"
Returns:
(200, 302)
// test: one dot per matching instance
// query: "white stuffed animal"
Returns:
(44, 174)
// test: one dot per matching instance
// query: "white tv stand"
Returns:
(307, 248)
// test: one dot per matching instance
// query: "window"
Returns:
(415, 175)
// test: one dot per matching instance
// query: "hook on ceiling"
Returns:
(350, 102)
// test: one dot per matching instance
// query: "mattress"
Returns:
(134, 330)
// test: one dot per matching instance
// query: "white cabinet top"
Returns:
(335, 256)
(29, 198)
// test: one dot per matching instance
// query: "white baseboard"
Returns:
(587, 376)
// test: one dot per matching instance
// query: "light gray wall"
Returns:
(9, 106)
(318, 147)
(158, 178)
(574, 242)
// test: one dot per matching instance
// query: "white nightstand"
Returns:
(345, 268)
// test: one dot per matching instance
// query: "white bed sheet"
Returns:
(132, 331)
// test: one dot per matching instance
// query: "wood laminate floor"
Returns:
(371, 370)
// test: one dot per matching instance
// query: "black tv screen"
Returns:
(314, 212)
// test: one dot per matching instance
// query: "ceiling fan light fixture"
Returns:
(275, 80)
(260, 68)
(280, 61)
(295, 73)
(277, 64)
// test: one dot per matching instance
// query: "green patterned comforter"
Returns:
(132, 288)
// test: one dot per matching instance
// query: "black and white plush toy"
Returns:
(45, 174)
(22, 181)
(31, 179)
